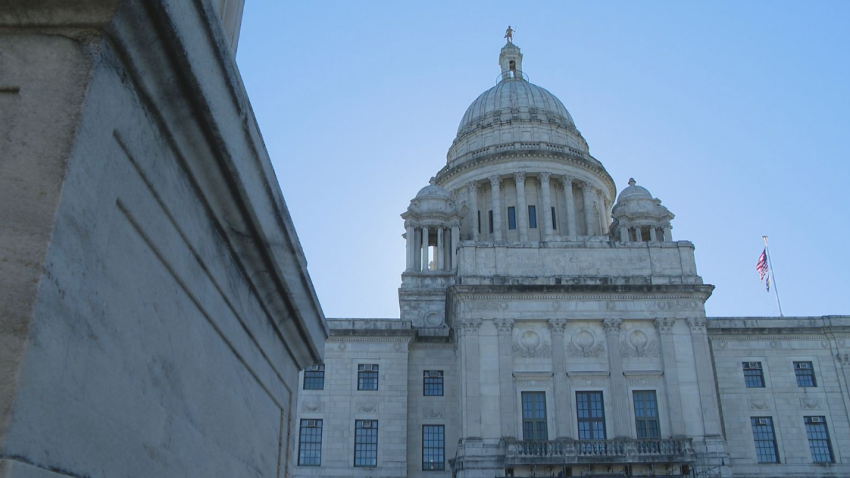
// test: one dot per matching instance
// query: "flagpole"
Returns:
(775, 288)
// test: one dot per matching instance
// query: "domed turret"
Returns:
(638, 217)
(432, 222)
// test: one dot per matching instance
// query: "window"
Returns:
(532, 217)
(819, 443)
(753, 376)
(805, 374)
(367, 377)
(591, 416)
(554, 221)
(479, 222)
(646, 414)
(314, 378)
(490, 218)
(365, 443)
(310, 443)
(433, 383)
(511, 217)
(534, 416)
(433, 447)
(765, 439)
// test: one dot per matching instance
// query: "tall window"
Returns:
(591, 416)
(819, 443)
(646, 414)
(490, 218)
(314, 378)
(532, 217)
(554, 220)
(432, 383)
(753, 375)
(479, 222)
(805, 374)
(367, 377)
(534, 416)
(365, 443)
(511, 217)
(433, 447)
(310, 443)
(765, 439)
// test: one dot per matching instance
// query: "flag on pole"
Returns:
(763, 268)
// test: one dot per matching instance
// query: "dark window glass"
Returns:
(511, 217)
(765, 439)
(534, 416)
(433, 383)
(646, 414)
(753, 376)
(805, 374)
(310, 443)
(819, 443)
(314, 378)
(554, 220)
(490, 218)
(367, 377)
(433, 447)
(479, 222)
(532, 217)
(365, 443)
(591, 416)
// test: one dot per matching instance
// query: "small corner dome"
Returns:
(634, 192)
(433, 191)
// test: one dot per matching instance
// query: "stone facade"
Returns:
(568, 331)
(155, 306)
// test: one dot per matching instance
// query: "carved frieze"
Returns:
(487, 305)
(673, 305)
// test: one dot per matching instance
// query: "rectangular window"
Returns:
(554, 221)
(314, 378)
(490, 218)
(511, 218)
(819, 443)
(646, 414)
(433, 447)
(591, 416)
(534, 416)
(532, 217)
(367, 377)
(479, 222)
(753, 376)
(805, 374)
(765, 439)
(310, 443)
(433, 383)
(365, 443)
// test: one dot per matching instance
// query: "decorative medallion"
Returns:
(637, 344)
(529, 344)
(341, 346)
(584, 344)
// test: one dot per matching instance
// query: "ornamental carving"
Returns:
(756, 404)
(809, 404)
(644, 381)
(468, 325)
(637, 344)
(676, 305)
(557, 326)
(583, 344)
(488, 305)
(519, 177)
(697, 324)
(588, 382)
(612, 326)
(529, 344)
(367, 407)
(665, 324)
(433, 412)
(843, 359)
(504, 325)
(312, 406)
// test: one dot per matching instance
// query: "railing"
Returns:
(583, 451)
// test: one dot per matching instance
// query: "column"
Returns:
(569, 206)
(620, 425)
(652, 236)
(563, 399)
(638, 234)
(411, 242)
(664, 325)
(454, 245)
(440, 251)
(705, 377)
(587, 192)
(603, 211)
(425, 248)
(471, 385)
(417, 249)
(473, 208)
(507, 392)
(547, 206)
(496, 193)
(624, 233)
(522, 208)
(668, 233)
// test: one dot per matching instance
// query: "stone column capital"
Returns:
(567, 180)
(543, 177)
(612, 326)
(697, 324)
(519, 177)
(557, 326)
(843, 359)
(495, 181)
(664, 325)
(586, 187)
(504, 325)
(468, 326)
(472, 186)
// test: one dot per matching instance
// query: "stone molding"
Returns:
(715, 336)
(504, 325)
(665, 324)
(348, 338)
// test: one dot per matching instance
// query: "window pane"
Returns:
(433, 383)
(819, 444)
(753, 376)
(310, 443)
(365, 443)
(591, 415)
(534, 416)
(554, 220)
(532, 217)
(646, 414)
(490, 215)
(511, 218)
(367, 377)
(433, 447)
(765, 440)
(805, 374)
(314, 378)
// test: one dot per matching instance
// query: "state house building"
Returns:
(550, 327)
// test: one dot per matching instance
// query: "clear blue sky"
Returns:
(735, 114)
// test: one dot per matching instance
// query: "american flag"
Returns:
(763, 269)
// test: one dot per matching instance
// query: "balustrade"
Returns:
(670, 450)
